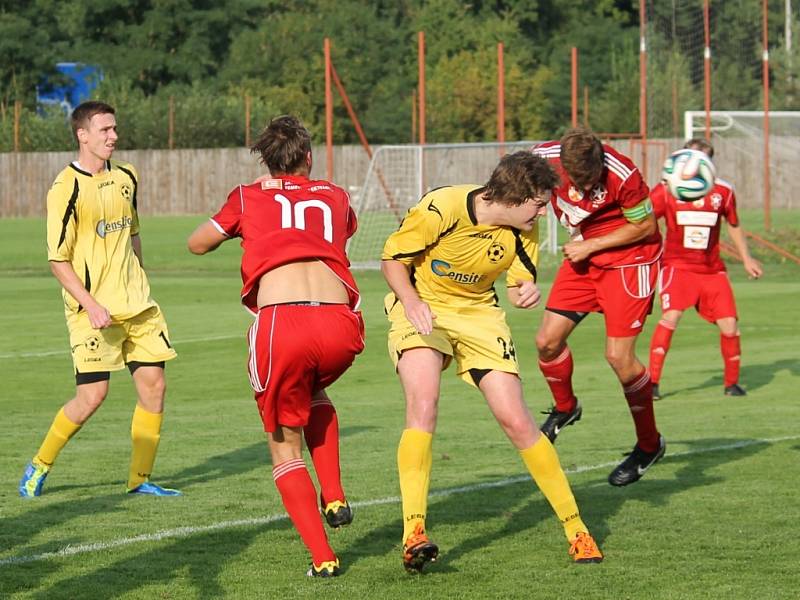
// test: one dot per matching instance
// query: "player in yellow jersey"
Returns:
(95, 252)
(442, 264)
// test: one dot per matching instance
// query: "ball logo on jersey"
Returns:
(125, 190)
(92, 343)
(496, 252)
(575, 195)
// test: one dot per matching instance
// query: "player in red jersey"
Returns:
(611, 267)
(693, 273)
(307, 329)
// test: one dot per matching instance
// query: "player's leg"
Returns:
(717, 305)
(731, 349)
(322, 439)
(556, 365)
(503, 393)
(659, 346)
(337, 341)
(145, 350)
(571, 298)
(638, 389)
(420, 373)
(151, 386)
(90, 391)
(300, 498)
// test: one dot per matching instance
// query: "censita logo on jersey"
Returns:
(105, 227)
(442, 269)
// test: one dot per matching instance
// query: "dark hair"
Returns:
(283, 145)
(520, 176)
(701, 144)
(84, 112)
(582, 156)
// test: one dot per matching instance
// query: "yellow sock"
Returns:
(414, 458)
(60, 432)
(145, 433)
(543, 465)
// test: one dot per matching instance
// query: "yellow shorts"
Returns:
(143, 338)
(476, 337)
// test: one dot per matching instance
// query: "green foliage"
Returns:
(208, 55)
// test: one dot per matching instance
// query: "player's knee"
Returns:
(620, 361)
(547, 346)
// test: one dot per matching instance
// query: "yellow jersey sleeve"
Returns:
(62, 219)
(423, 226)
(526, 258)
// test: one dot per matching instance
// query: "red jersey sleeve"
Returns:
(731, 216)
(229, 218)
(658, 196)
(633, 190)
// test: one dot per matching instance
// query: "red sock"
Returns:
(300, 500)
(639, 394)
(322, 439)
(731, 354)
(659, 346)
(558, 374)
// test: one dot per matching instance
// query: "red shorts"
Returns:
(295, 351)
(624, 295)
(710, 293)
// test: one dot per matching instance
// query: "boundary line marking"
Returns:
(180, 532)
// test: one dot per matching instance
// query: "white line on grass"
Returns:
(180, 532)
(213, 338)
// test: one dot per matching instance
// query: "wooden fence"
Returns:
(175, 182)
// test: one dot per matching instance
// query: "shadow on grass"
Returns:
(503, 511)
(751, 377)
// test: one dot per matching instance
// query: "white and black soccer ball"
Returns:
(688, 174)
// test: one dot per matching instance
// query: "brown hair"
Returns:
(520, 176)
(582, 156)
(283, 145)
(701, 144)
(84, 112)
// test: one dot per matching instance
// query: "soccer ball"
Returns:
(688, 174)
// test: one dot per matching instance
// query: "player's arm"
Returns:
(98, 314)
(641, 225)
(418, 313)
(206, 238)
(521, 287)
(751, 266)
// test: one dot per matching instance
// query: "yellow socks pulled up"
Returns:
(543, 464)
(145, 434)
(414, 458)
(60, 432)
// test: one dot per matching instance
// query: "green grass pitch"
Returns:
(717, 518)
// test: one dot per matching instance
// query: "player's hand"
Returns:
(528, 294)
(420, 316)
(753, 268)
(99, 316)
(577, 250)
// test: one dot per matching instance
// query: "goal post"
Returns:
(398, 176)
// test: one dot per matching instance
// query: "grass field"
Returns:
(717, 518)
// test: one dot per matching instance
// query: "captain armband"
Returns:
(638, 213)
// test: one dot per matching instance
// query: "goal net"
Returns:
(398, 176)
(738, 138)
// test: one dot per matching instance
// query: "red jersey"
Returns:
(692, 241)
(600, 211)
(287, 219)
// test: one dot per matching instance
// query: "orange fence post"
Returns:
(765, 77)
(247, 120)
(501, 97)
(574, 75)
(421, 84)
(328, 112)
(17, 117)
(707, 68)
(643, 85)
(171, 123)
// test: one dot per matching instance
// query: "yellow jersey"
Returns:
(454, 260)
(90, 221)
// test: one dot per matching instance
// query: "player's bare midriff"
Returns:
(301, 281)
